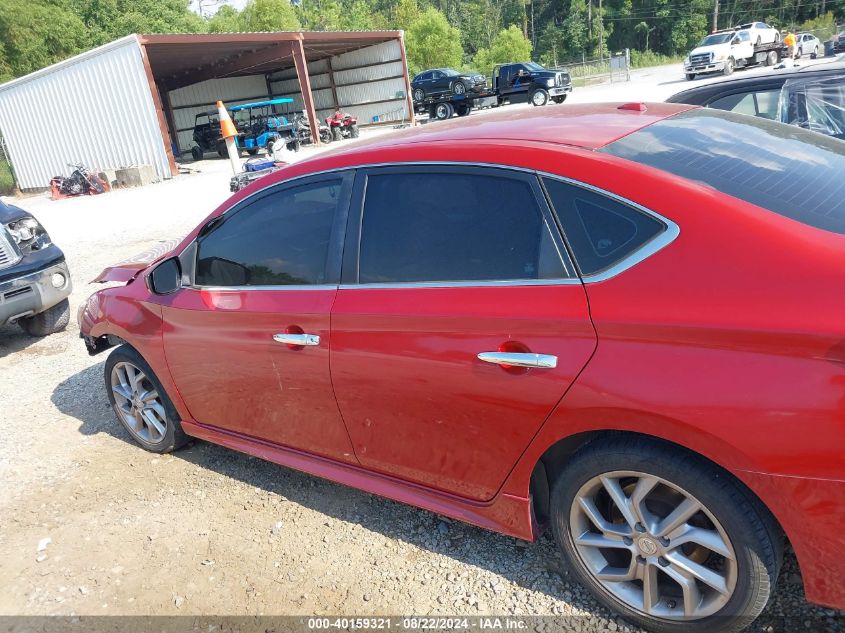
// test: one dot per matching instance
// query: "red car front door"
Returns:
(248, 342)
(451, 267)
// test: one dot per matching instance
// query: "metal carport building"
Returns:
(133, 101)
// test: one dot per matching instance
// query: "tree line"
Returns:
(455, 33)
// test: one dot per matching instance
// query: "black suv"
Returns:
(34, 278)
(444, 81)
(528, 81)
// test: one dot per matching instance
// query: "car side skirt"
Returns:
(505, 513)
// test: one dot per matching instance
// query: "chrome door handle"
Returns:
(514, 359)
(297, 339)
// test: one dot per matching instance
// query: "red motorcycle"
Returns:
(342, 125)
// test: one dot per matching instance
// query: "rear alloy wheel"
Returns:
(664, 538)
(140, 402)
(539, 97)
(459, 88)
(419, 94)
(771, 58)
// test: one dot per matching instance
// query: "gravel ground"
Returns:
(210, 531)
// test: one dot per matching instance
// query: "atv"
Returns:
(342, 125)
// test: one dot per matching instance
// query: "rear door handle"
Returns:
(514, 359)
(297, 339)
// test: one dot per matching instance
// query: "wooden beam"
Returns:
(305, 89)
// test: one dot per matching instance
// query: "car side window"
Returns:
(745, 36)
(280, 239)
(436, 226)
(763, 104)
(437, 75)
(601, 231)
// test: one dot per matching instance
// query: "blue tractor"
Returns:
(259, 126)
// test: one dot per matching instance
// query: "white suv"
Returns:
(761, 33)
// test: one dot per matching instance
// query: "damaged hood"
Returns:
(128, 269)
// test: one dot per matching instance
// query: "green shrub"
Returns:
(645, 59)
(7, 179)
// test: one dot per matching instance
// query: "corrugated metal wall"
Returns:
(95, 108)
(369, 81)
(190, 101)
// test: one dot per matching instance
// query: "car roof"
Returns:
(702, 94)
(588, 126)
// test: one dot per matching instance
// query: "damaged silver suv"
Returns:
(34, 278)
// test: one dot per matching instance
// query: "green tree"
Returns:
(510, 45)
(432, 42)
(226, 20)
(269, 15)
(34, 34)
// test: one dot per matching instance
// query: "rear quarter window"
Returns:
(782, 168)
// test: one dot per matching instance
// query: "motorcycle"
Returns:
(302, 132)
(80, 182)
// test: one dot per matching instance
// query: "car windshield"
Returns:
(449, 72)
(533, 66)
(718, 38)
(782, 168)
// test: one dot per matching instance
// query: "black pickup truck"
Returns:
(529, 81)
(34, 278)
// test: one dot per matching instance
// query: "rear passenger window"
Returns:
(441, 227)
(763, 104)
(280, 239)
(600, 230)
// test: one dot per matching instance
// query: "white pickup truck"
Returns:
(724, 51)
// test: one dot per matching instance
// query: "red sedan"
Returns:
(623, 323)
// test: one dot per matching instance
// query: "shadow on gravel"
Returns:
(536, 567)
(13, 340)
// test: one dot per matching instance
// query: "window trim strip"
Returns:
(656, 244)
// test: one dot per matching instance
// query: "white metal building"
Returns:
(133, 101)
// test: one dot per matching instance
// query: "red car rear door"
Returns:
(453, 276)
(248, 341)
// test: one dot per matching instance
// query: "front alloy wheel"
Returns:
(459, 88)
(664, 537)
(138, 403)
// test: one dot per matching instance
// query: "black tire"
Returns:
(354, 132)
(252, 151)
(463, 109)
(443, 111)
(771, 58)
(174, 437)
(690, 76)
(459, 88)
(419, 94)
(539, 97)
(50, 321)
(325, 136)
(222, 152)
(753, 533)
(196, 152)
(337, 135)
(729, 67)
(559, 99)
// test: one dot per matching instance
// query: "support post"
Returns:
(333, 84)
(409, 99)
(162, 122)
(305, 88)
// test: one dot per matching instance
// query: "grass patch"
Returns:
(7, 180)
(646, 59)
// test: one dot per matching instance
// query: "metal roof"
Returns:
(182, 59)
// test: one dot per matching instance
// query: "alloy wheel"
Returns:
(653, 546)
(539, 98)
(138, 403)
(459, 88)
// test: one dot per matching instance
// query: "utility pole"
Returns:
(601, 34)
(716, 15)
